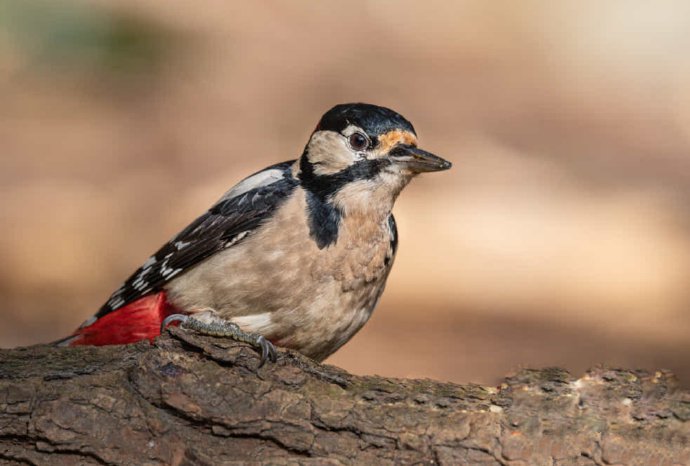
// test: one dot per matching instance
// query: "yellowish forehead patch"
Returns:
(392, 138)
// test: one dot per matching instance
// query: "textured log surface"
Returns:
(197, 400)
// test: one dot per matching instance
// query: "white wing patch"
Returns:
(166, 271)
(263, 178)
(116, 301)
(140, 284)
(238, 237)
(149, 262)
(182, 244)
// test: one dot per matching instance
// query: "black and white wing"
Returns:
(234, 217)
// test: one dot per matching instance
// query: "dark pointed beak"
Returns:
(418, 160)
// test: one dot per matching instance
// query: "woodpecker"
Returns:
(296, 255)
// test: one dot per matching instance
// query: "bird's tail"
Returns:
(138, 320)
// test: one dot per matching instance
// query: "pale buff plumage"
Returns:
(296, 290)
(296, 254)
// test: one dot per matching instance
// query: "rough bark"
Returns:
(188, 399)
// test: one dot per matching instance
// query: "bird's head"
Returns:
(361, 156)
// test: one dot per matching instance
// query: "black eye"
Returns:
(358, 141)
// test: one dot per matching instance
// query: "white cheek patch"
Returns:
(329, 153)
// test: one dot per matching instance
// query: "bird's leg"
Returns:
(207, 322)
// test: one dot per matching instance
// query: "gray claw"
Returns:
(173, 318)
(268, 351)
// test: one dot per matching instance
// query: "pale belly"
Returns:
(280, 284)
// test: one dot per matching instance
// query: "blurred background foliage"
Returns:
(83, 41)
(560, 237)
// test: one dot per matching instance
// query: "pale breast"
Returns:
(278, 282)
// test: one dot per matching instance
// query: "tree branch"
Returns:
(189, 399)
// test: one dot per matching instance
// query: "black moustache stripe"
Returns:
(324, 186)
(324, 217)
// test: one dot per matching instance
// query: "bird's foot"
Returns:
(208, 323)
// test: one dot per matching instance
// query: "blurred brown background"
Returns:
(560, 237)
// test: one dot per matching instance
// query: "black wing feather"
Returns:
(225, 224)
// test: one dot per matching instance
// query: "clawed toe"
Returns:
(181, 318)
(223, 328)
(268, 351)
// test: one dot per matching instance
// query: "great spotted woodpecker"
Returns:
(296, 255)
